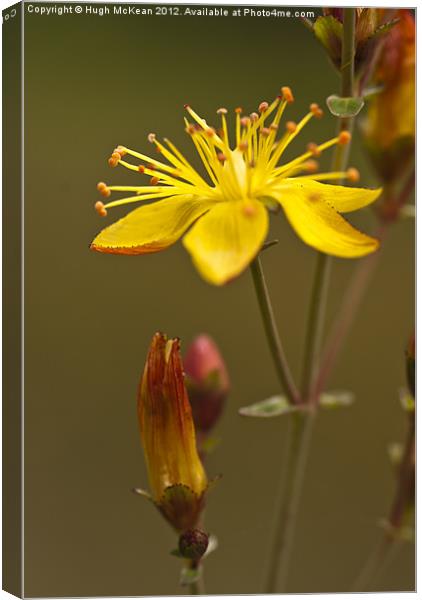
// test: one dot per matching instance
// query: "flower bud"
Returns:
(207, 381)
(389, 131)
(177, 478)
(193, 544)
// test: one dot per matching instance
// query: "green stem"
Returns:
(289, 495)
(274, 341)
(315, 322)
(299, 439)
(197, 588)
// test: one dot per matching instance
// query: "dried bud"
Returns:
(193, 544)
(207, 381)
(177, 478)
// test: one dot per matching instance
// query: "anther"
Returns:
(141, 169)
(353, 174)
(287, 94)
(151, 137)
(210, 132)
(121, 150)
(316, 110)
(263, 107)
(244, 121)
(265, 131)
(222, 111)
(114, 159)
(249, 210)
(186, 106)
(313, 149)
(101, 186)
(190, 129)
(154, 180)
(291, 126)
(311, 166)
(273, 126)
(100, 208)
(104, 189)
(238, 110)
(221, 157)
(243, 146)
(344, 138)
(254, 117)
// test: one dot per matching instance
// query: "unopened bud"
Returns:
(207, 382)
(193, 544)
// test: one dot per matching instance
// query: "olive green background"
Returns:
(94, 82)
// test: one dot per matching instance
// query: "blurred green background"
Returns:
(94, 82)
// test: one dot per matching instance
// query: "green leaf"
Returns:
(189, 576)
(344, 107)
(329, 32)
(271, 407)
(336, 398)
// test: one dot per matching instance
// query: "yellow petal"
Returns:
(321, 227)
(225, 241)
(151, 228)
(342, 199)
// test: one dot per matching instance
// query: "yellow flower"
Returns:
(177, 478)
(227, 208)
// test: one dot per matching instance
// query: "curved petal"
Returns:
(342, 199)
(321, 227)
(224, 242)
(153, 227)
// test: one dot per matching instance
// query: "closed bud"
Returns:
(389, 130)
(207, 382)
(177, 478)
(193, 544)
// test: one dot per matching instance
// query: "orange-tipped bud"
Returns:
(221, 157)
(287, 94)
(207, 382)
(244, 121)
(113, 161)
(100, 208)
(353, 174)
(313, 149)
(344, 138)
(238, 110)
(291, 126)
(154, 180)
(141, 169)
(265, 131)
(263, 107)
(210, 132)
(176, 475)
(243, 146)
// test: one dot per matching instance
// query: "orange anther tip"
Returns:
(151, 137)
(186, 106)
(221, 157)
(238, 110)
(243, 146)
(316, 110)
(311, 166)
(353, 174)
(287, 94)
(154, 180)
(112, 162)
(265, 131)
(254, 116)
(101, 186)
(210, 132)
(222, 111)
(244, 121)
(141, 169)
(263, 106)
(344, 138)
(116, 155)
(121, 150)
(291, 126)
(100, 208)
(273, 126)
(313, 148)
(249, 210)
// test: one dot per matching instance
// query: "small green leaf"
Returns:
(189, 576)
(336, 398)
(271, 407)
(344, 107)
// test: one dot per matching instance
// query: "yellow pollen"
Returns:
(344, 138)
(286, 92)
